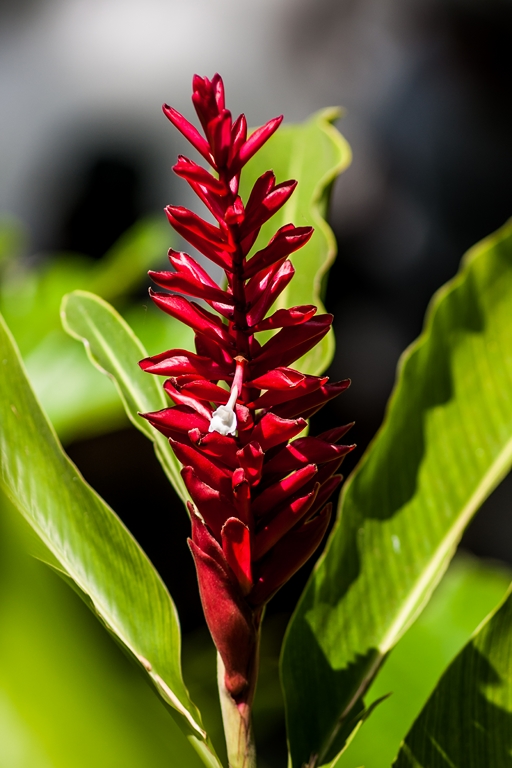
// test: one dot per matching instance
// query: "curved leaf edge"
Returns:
(87, 345)
(427, 584)
(325, 119)
(198, 738)
(450, 286)
(493, 478)
(160, 443)
(483, 625)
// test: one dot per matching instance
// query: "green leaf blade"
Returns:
(467, 722)
(115, 350)
(88, 540)
(467, 594)
(445, 444)
(67, 679)
(315, 153)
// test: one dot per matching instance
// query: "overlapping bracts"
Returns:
(260, 491)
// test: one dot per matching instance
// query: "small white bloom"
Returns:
(223, 420)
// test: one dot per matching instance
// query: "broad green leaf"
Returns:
(466, 595)
(30, 296)
(314, 153)
(69, 697)
(78, 400)
(115, 350)
(89, 543)
(467, 722)
(445, 444)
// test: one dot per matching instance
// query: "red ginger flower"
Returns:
(260, 492)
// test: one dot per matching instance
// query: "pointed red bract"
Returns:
(282, 521)
(260, 490)
(266, 287)
(213, 507)
(257, 139)
(229, 617)
(287, 556)
(287, 240)
(236, 544)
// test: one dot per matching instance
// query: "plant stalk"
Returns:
(237, 720)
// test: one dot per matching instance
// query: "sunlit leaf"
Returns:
(69, 697)
(314, 153)
(78, 401)
(89, 543)
(445, 444)
(470, 589)
(115, 350)
(467, 722)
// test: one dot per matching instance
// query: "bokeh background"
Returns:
(86, 154)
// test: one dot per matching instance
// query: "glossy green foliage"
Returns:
(467, 722)
(314, 153)
(115, 350)
(445, 444)
(466, 595)
(85, 542)
(69, 697)
(78, 400)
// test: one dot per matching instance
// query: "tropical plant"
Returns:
(234, 444)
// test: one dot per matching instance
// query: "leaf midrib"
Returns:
(426, 582)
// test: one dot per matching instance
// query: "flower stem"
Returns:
(237, 721)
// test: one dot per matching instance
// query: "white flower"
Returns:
(223, 420)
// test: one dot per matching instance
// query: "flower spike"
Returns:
(260, 490)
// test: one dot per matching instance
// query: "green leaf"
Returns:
(467, 722)
(30, 298)
(78, 400)
(115, 350)
(468, 592)
(313, 152)
(69, 697)
(89, 543)
(445, 444)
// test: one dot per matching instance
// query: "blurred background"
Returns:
(86, 156)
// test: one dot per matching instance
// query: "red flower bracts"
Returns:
(260, 493)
